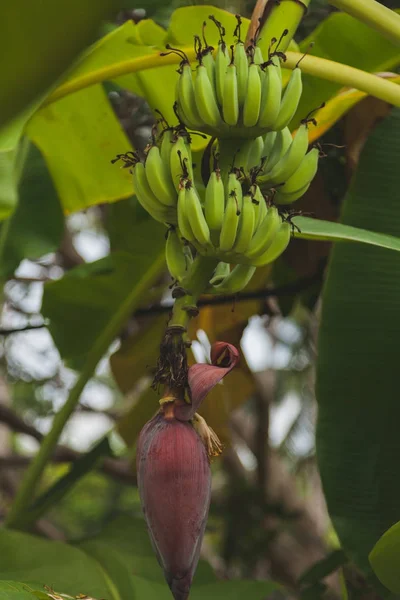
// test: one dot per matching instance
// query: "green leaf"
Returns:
(384, 559)
(360, 47)
(8, 183)
(81, 303)
(357, 371)
(31, 35)
(324, 567)
(319, 230)
(37, 224)
(79, 136)
(14, 590)
(235, 590)
(29, 559)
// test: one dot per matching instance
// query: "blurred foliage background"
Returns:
(268, 517)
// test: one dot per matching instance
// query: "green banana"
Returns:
(237, 279)
(278, 246)
(165, 149)
(242, 71)
(258, 57)
(265, 233)
(230, 99)
(222, 61)
(207, 60)
(271, 95)
(252, 102)
(269, 140)
(260, 207)
(214, 205)
(177, 260)
(159, 179)
(183, 220)
(255, 152)
(304, 174)
(186, 97)
(283, 140)
(148, 200)
(290, 161)
(196, 216)
(180, 161)
(246, 225)
(281, 198)
(222, 270)
(205, 98)
(290, 100)
(231, 217)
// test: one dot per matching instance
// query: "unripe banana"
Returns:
(166, 146)
(186, 98)
(256, 152)
(304, 174)
(258, 57)
(271, 95)
(283, 140)
(214, 205)
(222, 270)
(180, 161)
(260, 207)
(290, 100)
(148, 200)
(196, 216)
(252, 102)
(242, 70)
(205, 98)
(278, 246)
(158, 176)
(207, 60)
(237, 279)
(281, 198)
(177, 259)
(246, 225)
(231, 216)
(230, 99)
(222, 61)
(183, 219)
(265, 233)
(269, 140)
(290, 161)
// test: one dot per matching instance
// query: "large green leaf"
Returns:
(8, 182)
(319, 230)
(14, 590)
(358, 442)
(37, 224)
(360, 47)
(78, 137)
(384, 559)
(40, 42)
(29, 559)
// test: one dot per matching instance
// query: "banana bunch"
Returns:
(236, 93)
(233, 226)
(157, 180)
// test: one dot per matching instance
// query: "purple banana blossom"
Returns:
(174, 476)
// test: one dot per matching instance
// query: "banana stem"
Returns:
(375, 15)
(347, 76)
(17, 518)
(233, 152)
(285, 15)
(194, 284)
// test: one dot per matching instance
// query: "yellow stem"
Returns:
(312, 65)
